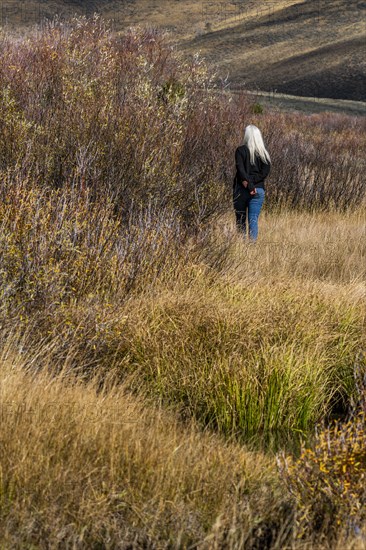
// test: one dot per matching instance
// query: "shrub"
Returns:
(130, 117)
(257, 109)
(328, 480)
(125, 116)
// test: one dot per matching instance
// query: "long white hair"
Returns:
(254, 141)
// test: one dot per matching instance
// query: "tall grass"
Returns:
(86, 467)
(125, 290)
(249, 340)
(105, 470)
(111, 154)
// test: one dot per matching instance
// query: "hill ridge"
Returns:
(307, 48)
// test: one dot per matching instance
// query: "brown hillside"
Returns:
(313, 48)
(297, 49)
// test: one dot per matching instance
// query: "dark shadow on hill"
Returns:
(330, 35)
(311, 75)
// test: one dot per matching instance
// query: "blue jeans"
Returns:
(243, 201)
(254, 209)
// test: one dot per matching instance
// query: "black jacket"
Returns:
(255, 174)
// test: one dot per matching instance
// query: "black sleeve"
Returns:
(265, 170)
(240, 165)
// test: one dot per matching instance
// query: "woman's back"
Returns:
(253, 173)
(253, 165)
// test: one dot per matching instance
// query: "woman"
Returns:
(253, 165)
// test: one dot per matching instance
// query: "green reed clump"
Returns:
(252, 363)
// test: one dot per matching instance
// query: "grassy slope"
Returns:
(302, 48)
(133, 473)
(88, 470)
(246, 337)
(295, 49)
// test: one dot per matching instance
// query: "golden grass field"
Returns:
(82, 465)
(164, 383)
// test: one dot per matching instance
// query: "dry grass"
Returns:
(255, 339)
(85, 469)
(245, 338)
(280, 46)
(82, 467)
(119, 258)
(251, 340)
(320, 247)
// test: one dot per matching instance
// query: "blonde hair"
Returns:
(254, 141)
